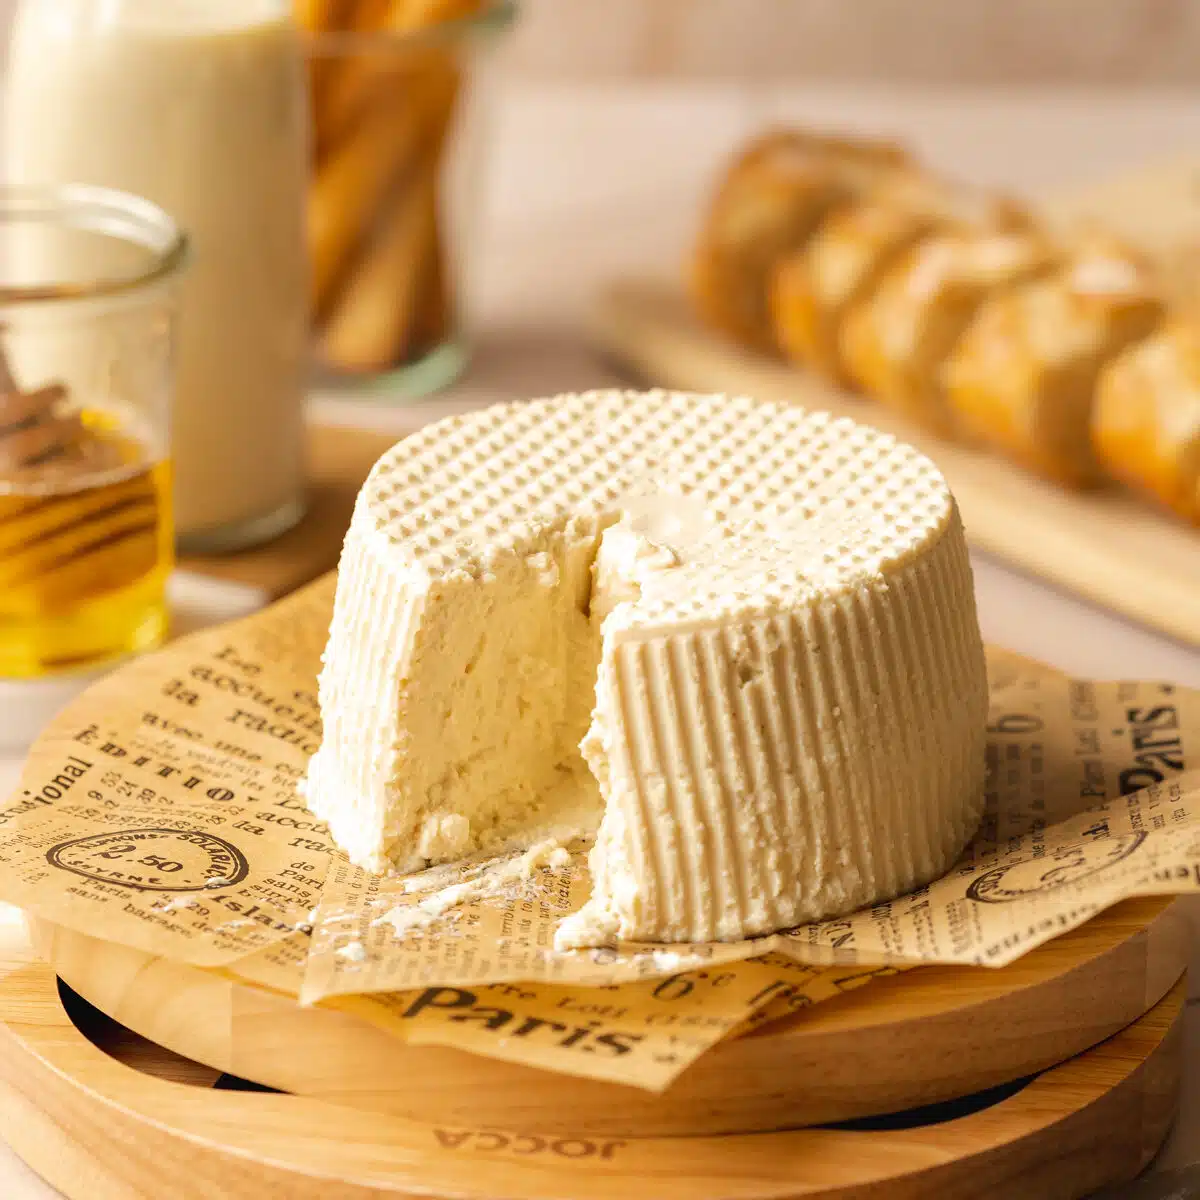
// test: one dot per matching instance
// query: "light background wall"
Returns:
(927, 41)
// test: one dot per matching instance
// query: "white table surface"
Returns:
(589, 183)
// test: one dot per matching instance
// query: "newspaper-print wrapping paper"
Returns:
(160, 811)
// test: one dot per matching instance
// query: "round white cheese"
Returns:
(756, 623)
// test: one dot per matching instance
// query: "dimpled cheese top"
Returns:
(756, 623)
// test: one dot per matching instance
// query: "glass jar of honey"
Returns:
(87, 329)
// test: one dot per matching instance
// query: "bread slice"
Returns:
(1023, 378)
(895, 341)
(772, 198)
(814, 288)
(1146, 423)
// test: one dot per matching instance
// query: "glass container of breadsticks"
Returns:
(398, 104)
(87, 297)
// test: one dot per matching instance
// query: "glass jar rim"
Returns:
(494, 19)
(101, 210)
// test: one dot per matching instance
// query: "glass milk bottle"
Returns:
(200, 106)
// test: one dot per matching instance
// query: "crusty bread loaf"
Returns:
(814, 288)
(771, 199)
(1146, 422)
(959, 310)
(1023, 377)
(895, 341)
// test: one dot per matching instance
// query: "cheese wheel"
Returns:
(1023, 378)
(895, 341)
(1146, 423)
(773, 196)
(746, 630)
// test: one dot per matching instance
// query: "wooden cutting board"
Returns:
(1108, 547)
(97, 1111)
(905, 1041)
(339, 460)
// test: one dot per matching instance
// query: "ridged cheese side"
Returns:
(796, 766)
(348, 779)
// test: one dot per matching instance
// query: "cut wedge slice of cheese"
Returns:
(758, 623)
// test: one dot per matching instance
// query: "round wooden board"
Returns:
(912, 1039)
(121, 1124)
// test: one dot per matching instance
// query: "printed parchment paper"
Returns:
(160, 811)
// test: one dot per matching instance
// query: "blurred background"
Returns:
(615, 117)
(487, 178)
(610, 120)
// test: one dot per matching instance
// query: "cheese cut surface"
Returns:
(743, 632)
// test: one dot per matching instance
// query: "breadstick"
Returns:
(8, 385)
(371, 325)
(361, 78)
(433, 313)
(320, 16)
(434, 95)
(366, 81)
(349, 16)
(406, 15)
(351, 186)
(392, 137)
(316, 17)
(367, 15)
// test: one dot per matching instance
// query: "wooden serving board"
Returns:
(902, 1041)
(339, 460)
(99, 1112)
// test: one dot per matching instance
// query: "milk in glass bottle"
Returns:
(199, 106)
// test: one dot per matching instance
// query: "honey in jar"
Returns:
(85, 536)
